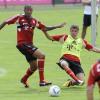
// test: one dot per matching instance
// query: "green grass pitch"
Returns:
(15, 65)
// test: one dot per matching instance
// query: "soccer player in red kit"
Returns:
(93, 78)
(25, 32)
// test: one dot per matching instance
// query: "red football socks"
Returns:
(27, 75)
(41, 69)
(69, 72)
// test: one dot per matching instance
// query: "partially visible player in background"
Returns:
(25, 32)
(93, 78)
(70, 56)
(53, 2)
(87, 16)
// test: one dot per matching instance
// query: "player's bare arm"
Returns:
(48, 28)
(2, 25)
(94, 49)
(48, 36)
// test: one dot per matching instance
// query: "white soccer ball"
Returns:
(54, 90)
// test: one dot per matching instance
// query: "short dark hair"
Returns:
(27, 6)
(74, 27)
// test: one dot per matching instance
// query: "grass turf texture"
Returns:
(15, 64)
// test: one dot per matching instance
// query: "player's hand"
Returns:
(61, 25)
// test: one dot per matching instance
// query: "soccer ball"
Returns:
(54, 91)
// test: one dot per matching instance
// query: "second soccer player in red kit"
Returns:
(93, 78)
(25, 31)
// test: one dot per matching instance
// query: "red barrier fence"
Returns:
(23, 2)
(37, 2)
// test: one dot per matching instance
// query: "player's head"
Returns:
(28, 10)
(74, 29)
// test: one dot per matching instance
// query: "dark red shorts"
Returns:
(27, 50)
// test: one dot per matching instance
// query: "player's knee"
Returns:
(33, 68)
(64, 63)
(42, 56)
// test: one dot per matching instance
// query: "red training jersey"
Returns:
(25, 28)
(94, 75)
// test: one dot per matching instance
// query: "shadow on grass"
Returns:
(74, 88)
(33, 90)
(39, 90)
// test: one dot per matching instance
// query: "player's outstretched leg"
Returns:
(65, 66)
